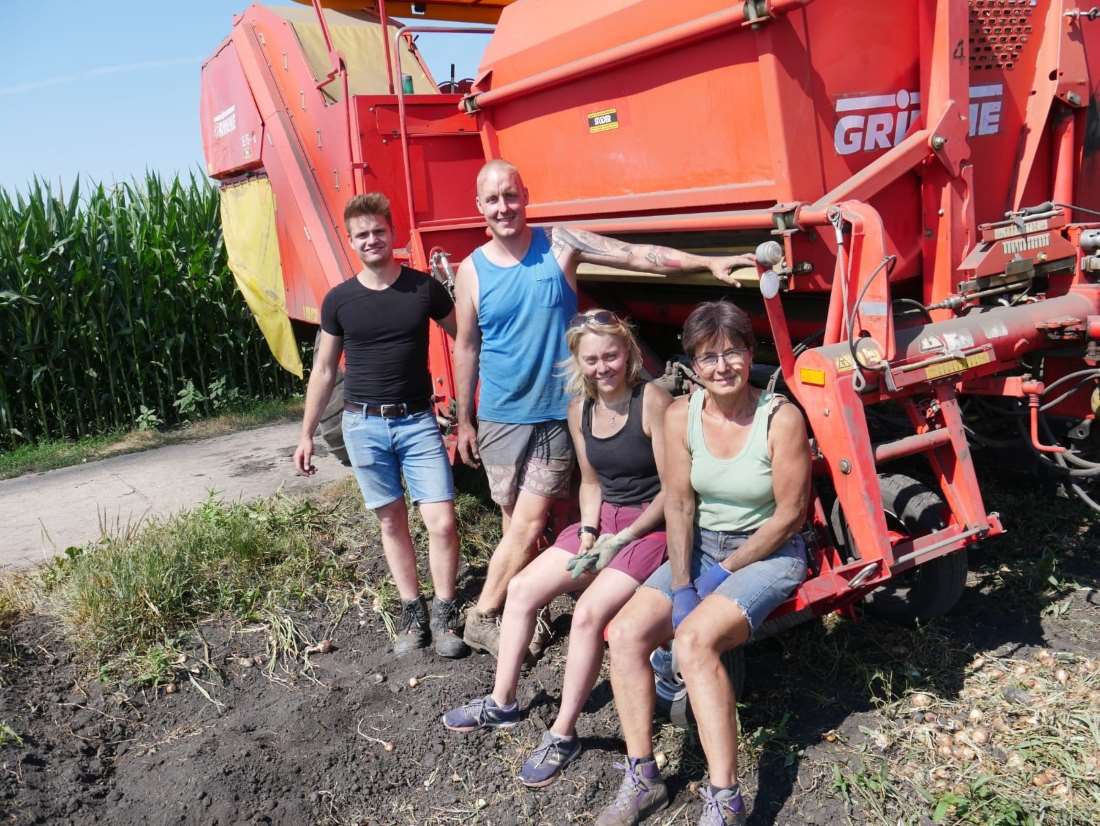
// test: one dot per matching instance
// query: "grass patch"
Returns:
(128, 597)
(15, 598)
(133, 601)
(57, 453)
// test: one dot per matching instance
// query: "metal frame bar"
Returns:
(395, 67)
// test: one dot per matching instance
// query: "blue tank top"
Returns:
(523, 311)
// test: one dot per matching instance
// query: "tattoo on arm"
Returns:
(662, 257)
(591, 247)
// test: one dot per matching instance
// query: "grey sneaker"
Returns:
(482, 631)
(642, 793)
(481, 713)
(444, 623)
(412, 630)
(722, 808)
(545, 763)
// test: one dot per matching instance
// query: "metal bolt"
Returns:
(826, 411)
(938, 142)
(845, 466)
(1072, 98)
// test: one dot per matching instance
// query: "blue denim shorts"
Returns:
(383, 450)
(759, 588)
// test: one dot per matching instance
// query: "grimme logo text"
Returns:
(874, 122)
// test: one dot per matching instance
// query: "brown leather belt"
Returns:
(388, 411)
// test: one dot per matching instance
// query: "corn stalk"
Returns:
(119, 299)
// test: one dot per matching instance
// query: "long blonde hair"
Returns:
(576, 384)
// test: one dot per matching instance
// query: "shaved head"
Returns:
(502, 200)
(494, 168)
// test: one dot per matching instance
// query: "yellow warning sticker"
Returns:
(603, 120)
(844, 364)
(957, 365)
(810, 376)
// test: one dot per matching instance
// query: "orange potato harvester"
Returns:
(919, 179)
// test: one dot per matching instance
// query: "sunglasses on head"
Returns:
(594, 316)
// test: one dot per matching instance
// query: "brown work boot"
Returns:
(543, 635)
(412, 628)
(482, 631)
(444, 624)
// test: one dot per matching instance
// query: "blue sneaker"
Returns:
(545, 763)
(481, 713)
(723, 807)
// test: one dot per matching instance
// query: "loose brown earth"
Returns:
(306, 742)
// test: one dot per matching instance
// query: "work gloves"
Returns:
(708, 583)
(686, 599)
(600, 554)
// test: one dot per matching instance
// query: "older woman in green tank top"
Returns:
(736, 480)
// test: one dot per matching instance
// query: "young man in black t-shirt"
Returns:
(380, 320)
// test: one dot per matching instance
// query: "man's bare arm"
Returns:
(322, 378)
(576, 245)
(467, 354)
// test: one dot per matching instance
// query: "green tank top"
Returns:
(733, 495)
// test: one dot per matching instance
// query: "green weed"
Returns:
(8, 737)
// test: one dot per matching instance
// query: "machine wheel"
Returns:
(929, 590)
(329, 428)
(672, 696)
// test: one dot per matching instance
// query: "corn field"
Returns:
(117, 309)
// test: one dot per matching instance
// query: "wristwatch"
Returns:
(583, 529)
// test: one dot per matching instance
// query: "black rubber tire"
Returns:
(672, 697)
(329, 428)
(929, 590)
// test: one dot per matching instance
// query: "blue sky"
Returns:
(109, 89)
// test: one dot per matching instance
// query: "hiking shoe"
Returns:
(543, 635)
(412, 630)
(481, 713)
(545, 763)
(723, 807)
(482, 631)
(642, 793)
(444, 623)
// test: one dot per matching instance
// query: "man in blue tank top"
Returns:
(514, 298)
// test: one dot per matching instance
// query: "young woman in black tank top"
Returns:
(616, 421)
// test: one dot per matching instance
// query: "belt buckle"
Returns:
(393, 411)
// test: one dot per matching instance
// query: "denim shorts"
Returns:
(759, 588)
(383, 450)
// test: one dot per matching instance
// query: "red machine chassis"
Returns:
(424, 150)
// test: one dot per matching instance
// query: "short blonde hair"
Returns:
(576, 383)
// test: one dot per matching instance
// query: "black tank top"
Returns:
(623, 462)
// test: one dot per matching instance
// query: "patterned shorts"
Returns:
(537, 458)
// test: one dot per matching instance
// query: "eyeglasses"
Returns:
(590, 316)
(730, 356)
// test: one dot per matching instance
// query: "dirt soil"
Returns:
(356, 737)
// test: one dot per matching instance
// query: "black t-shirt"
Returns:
(385, 335)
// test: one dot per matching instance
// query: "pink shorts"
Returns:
(637, 560)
